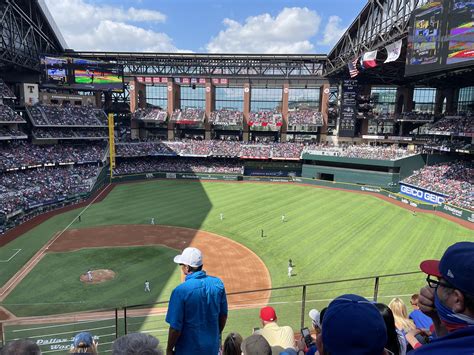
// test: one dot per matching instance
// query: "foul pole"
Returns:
(111, 144)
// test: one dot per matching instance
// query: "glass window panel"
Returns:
(193, 97)
(424, 99)
(232, 97)
(157, 96)
(303, 97)
(385, 99)
(266, 99)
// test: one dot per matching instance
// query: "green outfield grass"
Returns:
(328, 234)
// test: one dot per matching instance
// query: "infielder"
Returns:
(89, 275)
(221, 216)
(153, 221)
(147, 286)
(283, 218)
(290, 270)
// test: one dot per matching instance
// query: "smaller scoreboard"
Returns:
(348, 111)
(81, 74)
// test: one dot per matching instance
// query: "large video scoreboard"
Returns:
(441, 36)
(81, 74)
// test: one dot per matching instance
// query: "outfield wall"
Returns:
(443, 208)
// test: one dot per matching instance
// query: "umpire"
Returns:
(197, 310)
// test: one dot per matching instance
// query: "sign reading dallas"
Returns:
(422, 194)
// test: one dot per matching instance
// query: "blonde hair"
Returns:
(400, 313)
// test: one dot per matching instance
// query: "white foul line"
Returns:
(46, 247)
(11, 257)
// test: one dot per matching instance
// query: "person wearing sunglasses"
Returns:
(448, 300)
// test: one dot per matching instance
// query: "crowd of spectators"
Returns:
(415, 116)
(20, 154)
(265, 118)
(7, 132)
(150, 114)
(189, 115)
(227, 117)
(71, 133)
(305, 118)
(26, 189)
(8, 115)
(182, 165)
(67, 115)
(453, 125)
(256, 150)
(361, 151)
(5, 91)
(454, 179)
(446, 144)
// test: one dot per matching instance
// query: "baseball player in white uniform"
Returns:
(290, 270)
(147, 286)
(89, 275)
(283, 218)
(153, 220)
(221, 216)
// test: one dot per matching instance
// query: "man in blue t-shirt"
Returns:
(421, 320)
(197, 310)
(449, 301)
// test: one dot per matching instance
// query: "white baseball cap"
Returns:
(315, 317)
(190, 256)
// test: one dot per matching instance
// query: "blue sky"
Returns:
(204, 26)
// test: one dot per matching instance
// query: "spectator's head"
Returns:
(84, 343)
(400, 314)
(414, 300)
(232, 344)
(352, 325)
(256, 344)
(22, 346)
(453, 283)
(315, 320)
(190, 260)
(392, 338)
(136, 344)
(268, 315)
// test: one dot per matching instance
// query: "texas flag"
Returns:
(369, 59)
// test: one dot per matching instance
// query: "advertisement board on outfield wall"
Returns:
(421, 194)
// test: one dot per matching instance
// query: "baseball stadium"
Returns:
(300, 177)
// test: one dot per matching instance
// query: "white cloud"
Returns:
(86, 26)
(333, 31)
(289, 32)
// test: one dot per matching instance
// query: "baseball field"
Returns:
(328, 234)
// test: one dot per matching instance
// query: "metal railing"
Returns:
(292, 303)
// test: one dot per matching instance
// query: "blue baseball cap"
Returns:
(83, 339)
(456, 266)
(353, 325)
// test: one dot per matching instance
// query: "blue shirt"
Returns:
(194, 310)
(459, 342)
(420, 319)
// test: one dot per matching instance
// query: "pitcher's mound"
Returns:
(98, 276)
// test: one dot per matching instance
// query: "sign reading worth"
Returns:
(348, 112)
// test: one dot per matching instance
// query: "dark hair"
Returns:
(22, 346)
(232, 344)
(194, 269)
(392, 338)
(136, 343)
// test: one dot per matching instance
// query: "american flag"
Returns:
(352, 65)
